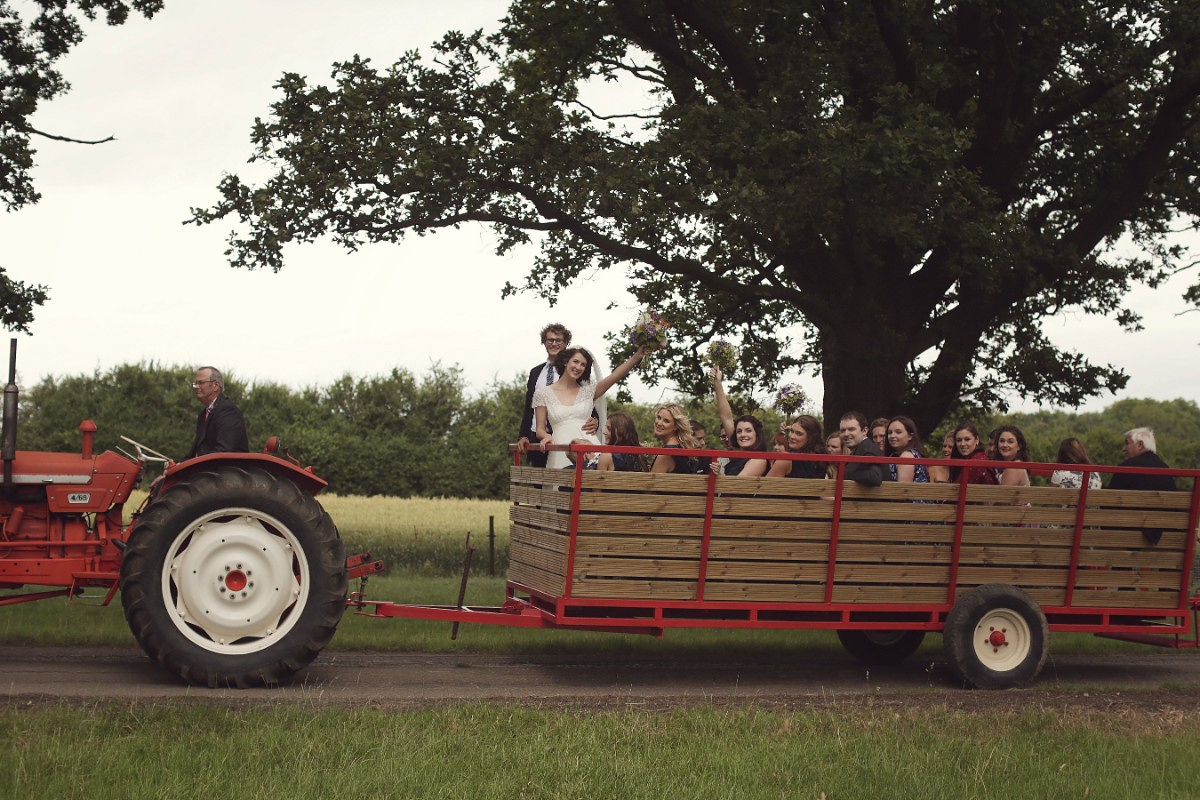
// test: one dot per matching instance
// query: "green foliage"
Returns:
(394, 434)
(917, 186)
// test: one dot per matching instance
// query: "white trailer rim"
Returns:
(1002, 640)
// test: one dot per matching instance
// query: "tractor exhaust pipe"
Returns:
(8, 443)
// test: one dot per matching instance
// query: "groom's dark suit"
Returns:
(527, 431)
(222, 431)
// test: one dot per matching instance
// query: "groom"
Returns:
(555, 337)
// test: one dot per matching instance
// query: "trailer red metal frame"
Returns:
(525, 606)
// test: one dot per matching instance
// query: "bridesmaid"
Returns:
(942, 474)
(674, 430)
(968, 446)
(620, 431)
(1011, 446)
(746, 434)
(904, 441)
(803, 436)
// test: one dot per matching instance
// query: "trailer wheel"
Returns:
(234, 577)
(996, 636)
(881, 647)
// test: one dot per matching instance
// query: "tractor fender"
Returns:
(301, 476)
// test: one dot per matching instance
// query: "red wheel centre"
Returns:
(235, 580)
(996, 638)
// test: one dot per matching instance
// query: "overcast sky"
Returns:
(128, 282)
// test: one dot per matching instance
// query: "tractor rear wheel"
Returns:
(881, 647)
(234, 577)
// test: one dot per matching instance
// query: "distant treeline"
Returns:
(400, 434)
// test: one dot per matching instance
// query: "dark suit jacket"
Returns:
(535, 459)
(1148, 483)
(224, 431)
(866, 474)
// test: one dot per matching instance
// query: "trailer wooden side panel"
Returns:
(773, 540)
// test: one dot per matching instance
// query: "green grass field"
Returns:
(120, 750)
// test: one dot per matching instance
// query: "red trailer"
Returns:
(993, 569)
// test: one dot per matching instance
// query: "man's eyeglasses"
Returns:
(550, 340)
(198, 384)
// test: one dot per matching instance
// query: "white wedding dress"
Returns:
(566, 421)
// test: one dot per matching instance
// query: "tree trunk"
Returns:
(863, 365)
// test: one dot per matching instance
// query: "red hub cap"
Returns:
(235, 580)
(996, 639)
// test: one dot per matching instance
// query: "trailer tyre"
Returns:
(881, 647)
(996, 636)
(234, 577)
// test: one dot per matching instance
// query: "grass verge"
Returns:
(508, 751)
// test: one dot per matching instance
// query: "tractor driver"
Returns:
(220, 427)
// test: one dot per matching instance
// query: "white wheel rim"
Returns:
(1002, 640)
(235, 581)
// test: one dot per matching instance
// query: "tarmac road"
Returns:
(402, 680)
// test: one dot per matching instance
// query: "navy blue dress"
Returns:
(684, 465)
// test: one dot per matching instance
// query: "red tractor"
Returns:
(231, 573)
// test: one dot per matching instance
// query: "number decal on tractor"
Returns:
(79, 497)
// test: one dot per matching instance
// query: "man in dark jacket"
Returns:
(1139, 449)
(854, 430)
(220, 427)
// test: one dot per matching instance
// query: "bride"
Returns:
(567, 403)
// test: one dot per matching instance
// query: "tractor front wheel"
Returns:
(234, 577)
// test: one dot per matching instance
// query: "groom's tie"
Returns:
(549, 374)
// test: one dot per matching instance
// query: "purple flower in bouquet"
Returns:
(722, 355)
(790, 398)
(649, 331)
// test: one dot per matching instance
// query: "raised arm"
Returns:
(607, 382)
(723, 409)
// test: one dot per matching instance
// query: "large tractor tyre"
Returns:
(234, 577)
(996, 636)
(881, 648)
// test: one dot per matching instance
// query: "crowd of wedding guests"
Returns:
(562, 400)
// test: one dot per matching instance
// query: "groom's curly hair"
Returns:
(560, 329)
(560, 362)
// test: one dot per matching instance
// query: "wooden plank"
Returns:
(548, 560)
(1110, 598)
(633, 589)
(639, 524)
(692, 505)
(547, 540)
(544, 498)
(531, 516)
(645, 482)
(541, 476)
(534, 578)
(1033, 576)
(730, 591)
(1133, 559)
(1172, 541)
(1132, 498)
(638, 546)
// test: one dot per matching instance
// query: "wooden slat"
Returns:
(538, 579)
(531, 516)
(647, 525)
(645, 482)
(639, 546)
(541, 476)
(545, 498)
(634, 589)
(643, 503)
(1172, 541)
(1131, 498)
(527, 553)
(731, 591)
(1108, 598)
(547, 540)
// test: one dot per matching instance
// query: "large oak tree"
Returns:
(916, 185)
(34, 35)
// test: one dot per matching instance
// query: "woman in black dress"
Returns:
(745, 433)
(620, 431)
(674, 430)
(803, 436)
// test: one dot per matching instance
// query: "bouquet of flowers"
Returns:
(649, 331)
(722, 355)
(790, 398)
